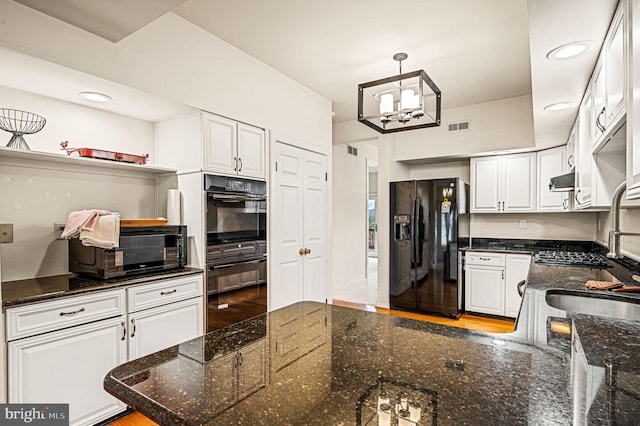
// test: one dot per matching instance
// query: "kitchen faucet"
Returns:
(615, 233)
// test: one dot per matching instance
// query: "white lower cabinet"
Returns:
(491, 282)
(484, 289)
(68, 366)
(59, 351)
(517, 270)
(158, 328)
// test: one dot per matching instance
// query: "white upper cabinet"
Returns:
(584, 150)
(214, 144)
(552, 162)
(251, 151)
(633, 103)
(503, 183)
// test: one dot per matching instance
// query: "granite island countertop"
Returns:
(324, 364)
(312, 363)
(32, 290)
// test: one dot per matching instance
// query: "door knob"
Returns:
(307, 251)
(302, 252)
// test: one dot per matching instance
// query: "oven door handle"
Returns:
(235, 197)
(228, 265)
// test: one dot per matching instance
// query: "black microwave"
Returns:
(142, 250)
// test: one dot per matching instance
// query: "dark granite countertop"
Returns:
(33, 290)
(331, 369)
(511, 245)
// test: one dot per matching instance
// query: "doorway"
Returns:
(372, 234)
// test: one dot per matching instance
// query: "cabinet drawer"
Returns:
(485, 258)
(162, 292)
(42, 317)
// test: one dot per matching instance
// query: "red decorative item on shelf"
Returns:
(105, 155)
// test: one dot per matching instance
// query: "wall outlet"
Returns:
(6, 233)
(57, 231)
(523, 224)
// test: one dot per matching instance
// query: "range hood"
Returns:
(563, 183)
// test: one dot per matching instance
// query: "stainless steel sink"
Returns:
(592, 304)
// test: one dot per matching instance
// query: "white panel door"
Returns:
(517, 269)
(251, 151)
(287, 232)
(519, 182)
(158, 328)
(298, 226)
(484, 184)
(220, 145)
(69, 366)
(315, 194)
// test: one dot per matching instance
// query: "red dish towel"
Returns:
(81, 220)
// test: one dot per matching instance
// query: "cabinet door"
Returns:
(252, 368)
(633, 105)
(251, 151)
(599, 95)
(551, 162)
(484, 290)
(159, 328)
(584, 163)
(221, 382)
(485, 175)
(519, 182)
(615, 69)
(517, 269)
(69, 366)
(220, 145)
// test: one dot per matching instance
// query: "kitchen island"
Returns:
(312, 363)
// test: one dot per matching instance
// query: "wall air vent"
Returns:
(461, 126)
(352, 150)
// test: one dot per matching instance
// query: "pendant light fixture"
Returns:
(403, 102)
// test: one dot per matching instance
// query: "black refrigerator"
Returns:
(426, 217)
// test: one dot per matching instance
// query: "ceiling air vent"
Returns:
(461, 126)
(352, 150)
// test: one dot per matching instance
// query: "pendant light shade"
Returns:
(403, 102)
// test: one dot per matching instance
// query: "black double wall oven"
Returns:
(236, 224)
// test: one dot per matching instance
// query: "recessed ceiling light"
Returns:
(568, 50)
(560, 106)
(95, 97)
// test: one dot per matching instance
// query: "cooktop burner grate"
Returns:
(571, 258)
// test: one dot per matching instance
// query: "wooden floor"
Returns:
(471, 322)
(467, 321)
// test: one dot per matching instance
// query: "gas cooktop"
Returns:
(571, 258)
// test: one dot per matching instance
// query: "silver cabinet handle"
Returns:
(521, 285)
(164, 293)
(599, 125)
(240, 159)
(124, 330)
(485, 258)
(133, 323)
(64, 314)
(503, 274)
(235, 169)
(239, 358)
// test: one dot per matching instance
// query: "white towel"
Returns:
(80, 220)
(105, 232)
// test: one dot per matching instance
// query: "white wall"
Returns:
(82, 126)
(36, 194)
(177, 60)
(350, 195)
(497, 125)
(629, 222)
(542, 226)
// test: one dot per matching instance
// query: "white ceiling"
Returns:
(475, 51)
